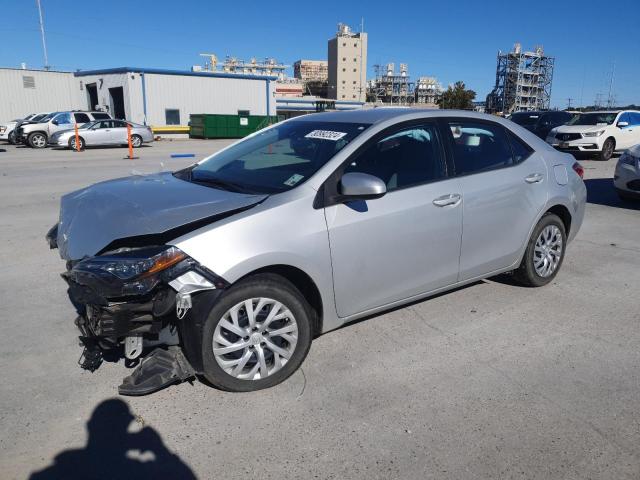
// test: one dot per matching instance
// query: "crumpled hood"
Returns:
(96, 216)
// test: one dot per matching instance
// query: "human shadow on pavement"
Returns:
(600, 191)
(114, 453)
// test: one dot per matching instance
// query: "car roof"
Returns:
(380, 114)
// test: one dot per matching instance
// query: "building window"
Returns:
(355, 69)
(172, 116)
(354, 96)
(28, 82)
(355, 45)
(244, 113)
(355, 59)
(344, 44)
(354, 82)
(344, 81)
(343, 96)
(344, 59)
(344, 69)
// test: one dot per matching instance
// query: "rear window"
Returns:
(81, 117)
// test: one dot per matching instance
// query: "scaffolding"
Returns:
(523, 81)
(391, 87)
(428, 91)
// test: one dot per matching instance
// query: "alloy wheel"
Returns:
(39, 141)
(255, 338)
(548, 251)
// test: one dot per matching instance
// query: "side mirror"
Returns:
(356, 185)
(55, 122)
(623, 124)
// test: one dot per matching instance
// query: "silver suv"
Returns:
(235, 263)
(36, 135)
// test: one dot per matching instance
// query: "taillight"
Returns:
(579, 169)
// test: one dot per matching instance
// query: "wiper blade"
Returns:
(222, 184)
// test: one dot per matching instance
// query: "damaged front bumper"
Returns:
(141, 298)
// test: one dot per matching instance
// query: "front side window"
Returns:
(479, 147)
(63, 118)
(276, 159)
(410, 157)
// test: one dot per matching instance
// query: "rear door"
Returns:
(628, 135)
(503, 183)
(408, 241)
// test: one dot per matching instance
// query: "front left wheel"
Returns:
(256, 335)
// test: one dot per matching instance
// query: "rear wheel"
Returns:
(256, 335)
(72, 143)
(136, 141)
(544, 254)
(37, 140)
(608, 147)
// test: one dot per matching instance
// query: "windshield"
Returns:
(37, 118)
(525, 118)
(46, 118)
(87, 125)
(594, 118)
(276, 159)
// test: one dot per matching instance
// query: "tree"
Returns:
(458, 97)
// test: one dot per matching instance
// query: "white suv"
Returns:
(600, 133)
(36, 135)
(7, 130)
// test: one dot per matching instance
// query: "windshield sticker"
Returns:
(325, 135)
(293, 179)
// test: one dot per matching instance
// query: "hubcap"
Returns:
(548, 251)
(255, 338)
(136, 142)
(38, 141)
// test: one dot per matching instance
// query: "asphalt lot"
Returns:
(489, 381)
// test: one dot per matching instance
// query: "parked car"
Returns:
(626, 179)
(7, 130)
(238, 261)
(541, 123)
(103, 132)
(598, 133)
(36, 135)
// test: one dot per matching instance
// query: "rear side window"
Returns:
(100, 116)
(479, 147)
(409, 157)
(634, 118)
(81, 117)
(521, 150)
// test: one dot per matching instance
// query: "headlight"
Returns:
(629, 159)
(132, 264)
(593, 134)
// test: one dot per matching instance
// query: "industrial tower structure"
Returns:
(391, 87)
(347, 65)
(523, 81)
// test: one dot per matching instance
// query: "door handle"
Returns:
(451, 199)
(534, 178)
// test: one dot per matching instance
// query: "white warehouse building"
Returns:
(149, 96)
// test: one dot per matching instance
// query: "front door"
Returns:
(503, 183)
(407, 242)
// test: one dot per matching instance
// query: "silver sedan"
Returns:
(103, 132)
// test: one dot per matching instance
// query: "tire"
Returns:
(538, 269)
(72, 143)
(12, 137)
(37, 140)
(608, 148)
(266, 289)
(625, 196)
(136, 141)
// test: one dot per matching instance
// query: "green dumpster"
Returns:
(206, 125)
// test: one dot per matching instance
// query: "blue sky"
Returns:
(455, 40)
